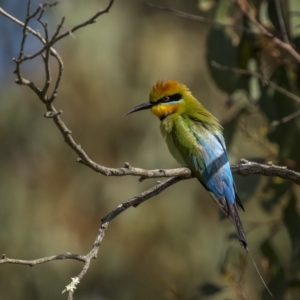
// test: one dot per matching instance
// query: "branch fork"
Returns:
(47, 98)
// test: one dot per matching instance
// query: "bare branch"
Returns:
(45, 55)
(92, 20)
(258, 75)
(265, 81)
(247, 167)
(22, 57)
(243, 7)
(287, 118)
(281, 21)
(20, 79)
(135, 201)
(20, 23)
(176, 175)
(47, 47)
(196, 18)
(244, 168)
(33, 262)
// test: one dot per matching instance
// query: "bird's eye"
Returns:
(166, 98)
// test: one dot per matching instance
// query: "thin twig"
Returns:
(34, 262)
(176, 175)
(20, 23)
(45, 55)
(243, 7)
(281, 21)
(21, 80)
(245, 168)
(135, 201)
(91, 20)
(258, 75)
(286, 119)
(196, 18)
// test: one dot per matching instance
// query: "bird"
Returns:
(194, 138)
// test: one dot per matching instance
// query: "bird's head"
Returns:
(166, 98)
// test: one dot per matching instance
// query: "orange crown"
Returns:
(167, 87)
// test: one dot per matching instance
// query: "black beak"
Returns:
(139, 107)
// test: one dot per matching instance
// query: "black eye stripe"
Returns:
(175, 97)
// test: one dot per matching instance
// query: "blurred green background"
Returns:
(176, 245)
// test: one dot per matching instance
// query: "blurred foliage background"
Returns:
(176, 245)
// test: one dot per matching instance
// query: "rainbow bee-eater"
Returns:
(194, 138)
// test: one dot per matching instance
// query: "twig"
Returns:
(196, 18)
(45, 52)
(135, 201)
(176, 175)
(34, 262)
(247, 167)
(281, 21)
(286, 119)
(243, 5)
(258, 75)
(21, 80)
(244, 168)
(91, 20)
(262, 30)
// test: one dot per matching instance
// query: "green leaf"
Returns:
(228, 56)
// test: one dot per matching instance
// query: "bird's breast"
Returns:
(179, 138)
